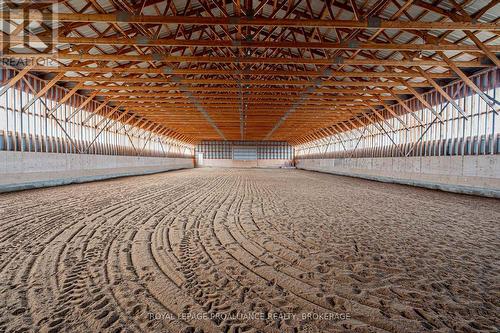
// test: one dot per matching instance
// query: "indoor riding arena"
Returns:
(233, 166)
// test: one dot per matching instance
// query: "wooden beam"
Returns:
(16, 78)
(202, 71)
(44, 90)
(462, 18)
(64, 99)
(406, 107)
(144, 41)
(125, 17)
(424, 102)
(443, 92)
(325, 83)
(248, 60)
(488, 50)
(154, 89)
(469, 82)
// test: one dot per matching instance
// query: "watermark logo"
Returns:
(27, 31)
(245, 316)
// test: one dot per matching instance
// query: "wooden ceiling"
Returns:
(251, 69)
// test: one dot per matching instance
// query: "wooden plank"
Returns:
(370, 23)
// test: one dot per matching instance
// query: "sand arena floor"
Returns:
(235, 250)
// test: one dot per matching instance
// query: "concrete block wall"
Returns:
(22, 162)
(24, 170)
(462, 174)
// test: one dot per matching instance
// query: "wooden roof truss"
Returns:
(292, 70)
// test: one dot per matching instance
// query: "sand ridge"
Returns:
(239, 250)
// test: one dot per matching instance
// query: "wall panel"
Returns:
(265, 150)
